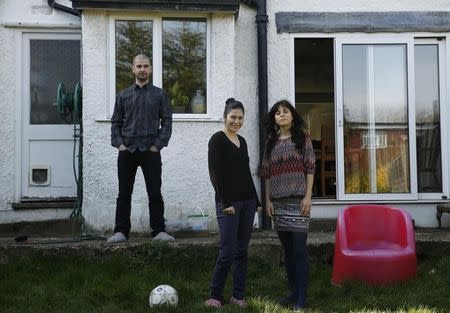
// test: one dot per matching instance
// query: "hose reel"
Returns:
(69, 102)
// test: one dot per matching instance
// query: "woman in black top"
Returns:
(236, 201)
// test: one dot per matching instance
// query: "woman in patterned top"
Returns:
(288, 167)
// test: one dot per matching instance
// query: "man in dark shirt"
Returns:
(141, 126)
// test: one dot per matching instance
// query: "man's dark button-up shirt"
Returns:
(142, 117)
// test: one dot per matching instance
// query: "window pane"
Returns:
(184, 64)
(428, 126)
(51, 62)
(375, 119)
(132, 38)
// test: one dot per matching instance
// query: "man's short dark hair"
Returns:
(141, 56)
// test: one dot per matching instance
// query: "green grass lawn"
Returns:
(122, 283)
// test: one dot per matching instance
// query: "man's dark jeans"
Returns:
(235, 232)
(297, 266)
(127, 164)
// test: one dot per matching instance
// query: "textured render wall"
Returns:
(27, 11)
(281, 81)
(7, 111)
(99, 175)
(185, 174)
(32, 14)
(246, 83)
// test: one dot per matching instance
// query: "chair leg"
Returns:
(438, 217)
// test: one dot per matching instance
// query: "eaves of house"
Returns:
(179, 5)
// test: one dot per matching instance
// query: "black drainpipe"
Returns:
(261, 21)
(57, 6)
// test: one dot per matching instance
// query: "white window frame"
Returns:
(157, 20)
(443, 88)
(340, 187)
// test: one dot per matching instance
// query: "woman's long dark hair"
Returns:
(272, 129)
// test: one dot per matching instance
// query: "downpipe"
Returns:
(261, 21)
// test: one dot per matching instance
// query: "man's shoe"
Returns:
(286, 301)
(117, 237)
(163, 236)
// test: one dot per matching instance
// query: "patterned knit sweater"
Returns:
(286, 168)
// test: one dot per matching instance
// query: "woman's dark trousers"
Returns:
(235, 232)
(296, 263)
(127, 164)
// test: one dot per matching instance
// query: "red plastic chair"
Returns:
(374, 244)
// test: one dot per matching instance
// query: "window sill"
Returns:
(196, 119)
(175, 119)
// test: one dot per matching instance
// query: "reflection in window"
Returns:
(132, 38)
(184, 64)
(376, 153)
(51, 62)
(428, 126)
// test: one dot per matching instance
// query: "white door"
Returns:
(47, 138)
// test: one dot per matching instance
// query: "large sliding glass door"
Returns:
(376, 132)
(389, 100)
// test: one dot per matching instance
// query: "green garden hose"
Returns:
(71, 103)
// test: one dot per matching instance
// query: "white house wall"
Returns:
(7, 111)
(246, 82)
(186, 182)
(16, 18)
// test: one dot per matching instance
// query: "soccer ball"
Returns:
(163, 295)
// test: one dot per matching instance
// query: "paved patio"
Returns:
(263, 243)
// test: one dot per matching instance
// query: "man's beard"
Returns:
(142, 77)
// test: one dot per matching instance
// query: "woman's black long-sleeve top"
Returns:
(229, 170)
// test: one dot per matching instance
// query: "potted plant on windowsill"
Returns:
(179, 100)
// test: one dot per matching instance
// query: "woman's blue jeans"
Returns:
(296, 263)
(235, 232)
